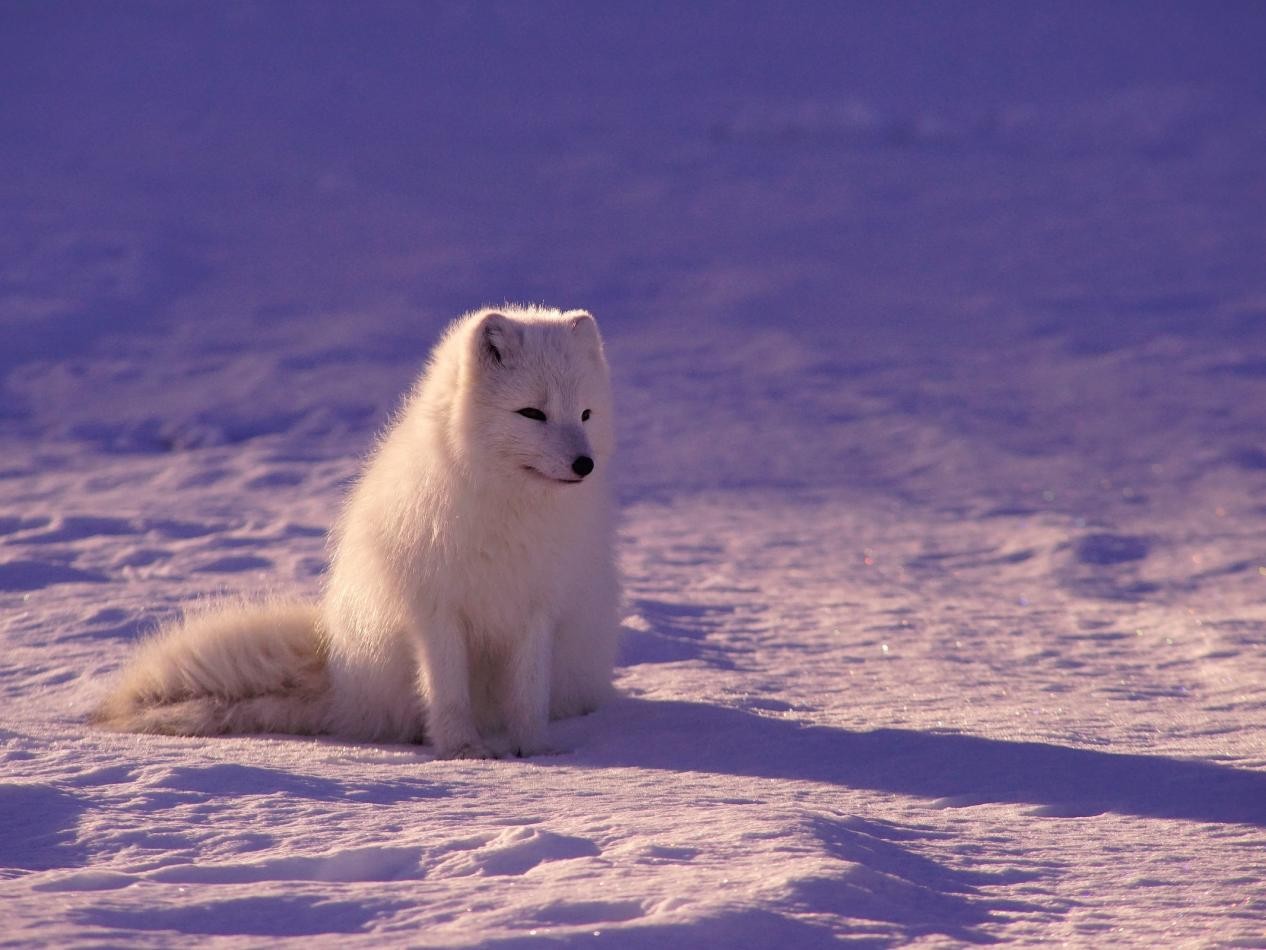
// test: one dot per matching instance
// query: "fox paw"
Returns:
(465, 750)
(525, 752)
(527, 748)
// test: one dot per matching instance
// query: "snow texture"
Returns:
(939, 341)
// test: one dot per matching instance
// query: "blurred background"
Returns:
(228, 219)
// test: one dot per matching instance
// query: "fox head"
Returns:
(539, 396)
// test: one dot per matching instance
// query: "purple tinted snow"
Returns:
(277, 916)
(37, 827)
(220, 131)
(35, 575)
(806, 229)
(926, 764)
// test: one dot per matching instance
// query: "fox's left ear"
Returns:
(497, 339)
(584, 327)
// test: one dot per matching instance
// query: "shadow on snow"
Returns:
(959, 770)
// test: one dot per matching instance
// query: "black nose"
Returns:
(582, 466)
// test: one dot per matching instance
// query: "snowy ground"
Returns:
(940, 345)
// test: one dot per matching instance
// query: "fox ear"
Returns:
(584, 326)
(497, 339)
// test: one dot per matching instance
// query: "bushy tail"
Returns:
(232, 669)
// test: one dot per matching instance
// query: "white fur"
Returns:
(472, 590)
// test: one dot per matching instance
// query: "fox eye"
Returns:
(584, 416)
(531, 413)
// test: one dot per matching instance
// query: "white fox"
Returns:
(472, 593)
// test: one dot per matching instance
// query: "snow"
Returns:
(939, 335)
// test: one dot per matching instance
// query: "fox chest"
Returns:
(504, 583)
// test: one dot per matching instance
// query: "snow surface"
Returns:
(939, 335)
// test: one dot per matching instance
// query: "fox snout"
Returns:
(577, 455)
(563, 456)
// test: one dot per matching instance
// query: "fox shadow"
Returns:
(956, 770)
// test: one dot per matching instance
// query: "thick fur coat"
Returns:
(472, 592)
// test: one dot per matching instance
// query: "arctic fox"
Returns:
(472, 592)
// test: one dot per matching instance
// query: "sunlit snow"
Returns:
(939, 343)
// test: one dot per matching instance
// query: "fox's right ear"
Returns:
(497, 339)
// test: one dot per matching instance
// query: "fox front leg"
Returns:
(525, 699)
(444, 682)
